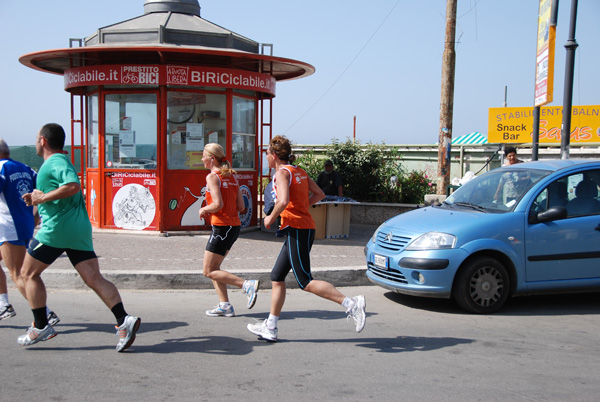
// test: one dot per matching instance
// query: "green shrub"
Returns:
(310, 163)
(370, 173)
(414, 186)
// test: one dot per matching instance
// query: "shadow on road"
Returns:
(547, 305)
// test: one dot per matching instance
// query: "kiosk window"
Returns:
(194, 119)
(244, 133)
(93, 145)
(130, 131)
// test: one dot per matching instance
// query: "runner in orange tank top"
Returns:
(223, 202)
(295, 193)
(296, 213)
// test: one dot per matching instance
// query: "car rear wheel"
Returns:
(482, 286)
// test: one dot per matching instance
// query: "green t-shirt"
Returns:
(65, 222)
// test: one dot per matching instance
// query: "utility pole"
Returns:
(447, 100)
(571, 46)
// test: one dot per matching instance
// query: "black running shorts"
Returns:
(295, 256)
(49, 254)
(222, 239)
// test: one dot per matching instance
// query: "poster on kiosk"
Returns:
(134, 200)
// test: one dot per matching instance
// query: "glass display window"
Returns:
(130, 131)
(194, 119)
(244, 133)
(92, 123)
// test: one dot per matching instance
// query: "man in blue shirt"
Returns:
(16, 223)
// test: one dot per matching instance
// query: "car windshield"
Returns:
(497, 191)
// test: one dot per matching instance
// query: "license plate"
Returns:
(380, 261)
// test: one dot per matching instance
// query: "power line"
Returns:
(343, 72)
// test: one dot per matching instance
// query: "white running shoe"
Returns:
(53, 319)
(7, 312)
(251, 291)
(35, 335)
(127, 332)
(263, 331)
(357, 312)
(220, 312)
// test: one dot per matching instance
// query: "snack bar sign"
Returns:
(515, 124)
(169, 75)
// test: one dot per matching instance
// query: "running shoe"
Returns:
(7, 312)
(127, 332)
(53, 319)
(35, 335)
(263, 331)
(357, 312)
(220, 312)
(251, 291)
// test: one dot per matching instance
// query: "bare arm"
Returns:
(240, 200)
(212, 182)
(36, 216)
(282, 177)
(37, 197)
(316, 193)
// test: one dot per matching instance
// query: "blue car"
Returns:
(521, 229)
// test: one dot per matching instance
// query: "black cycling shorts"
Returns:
(295, 256)
(49, 254)
(222, 238)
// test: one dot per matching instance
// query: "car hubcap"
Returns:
(486, 286)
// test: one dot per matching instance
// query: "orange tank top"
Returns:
(228, 215)
(296, 214)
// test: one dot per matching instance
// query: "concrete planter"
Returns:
(375, 213)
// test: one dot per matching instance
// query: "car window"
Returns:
(578, 193)
(583, 194)
(496, 191)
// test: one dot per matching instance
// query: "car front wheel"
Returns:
(482, 286)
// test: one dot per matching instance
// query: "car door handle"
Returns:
(597, 228)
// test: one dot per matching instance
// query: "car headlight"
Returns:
(433, 241)
(374, 237)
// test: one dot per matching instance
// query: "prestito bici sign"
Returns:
(169, 75)
(515, 124)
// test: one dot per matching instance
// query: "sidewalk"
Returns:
(149, 260)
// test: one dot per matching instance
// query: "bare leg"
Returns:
(89, 270)
(277, 298)
(3, 286)
(325, 290)
(30, 282)
(220, 279)
(13, 257)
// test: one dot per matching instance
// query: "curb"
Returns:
(68, 279)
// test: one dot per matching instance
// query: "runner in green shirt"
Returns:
(65, 228)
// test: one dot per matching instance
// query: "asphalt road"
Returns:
(542, 348)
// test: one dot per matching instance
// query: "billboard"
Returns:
(515, 124)
(544, 68)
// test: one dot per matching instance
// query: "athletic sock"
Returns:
(272, 321)
(40, 318)
(348, 303)
(4, 300)
(224, 305)
(119, 311)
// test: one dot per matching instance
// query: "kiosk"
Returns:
(147, 94)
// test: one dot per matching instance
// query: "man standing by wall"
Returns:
(329, 180)
(66, 228)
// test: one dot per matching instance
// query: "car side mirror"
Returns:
(552, 214)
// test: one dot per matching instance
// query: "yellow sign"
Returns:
(515, 124)
(544, 68)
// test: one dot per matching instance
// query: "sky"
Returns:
(379, 61)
